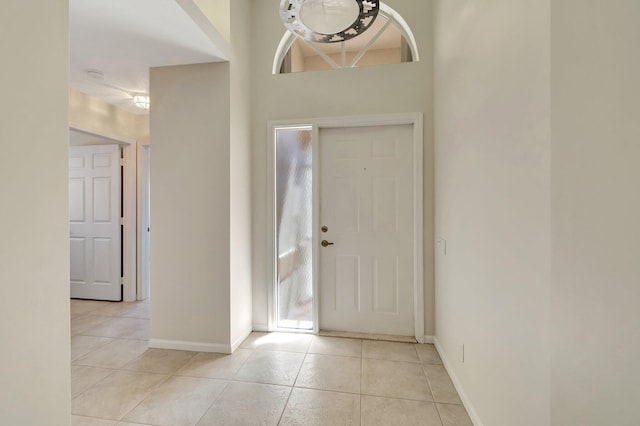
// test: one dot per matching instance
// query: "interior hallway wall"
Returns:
(190, 207)
(201, 198)
(349, 92)
(492, 138)
(34, 243)
(595, 170)
(240, 170)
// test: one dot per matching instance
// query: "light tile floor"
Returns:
(277, 378)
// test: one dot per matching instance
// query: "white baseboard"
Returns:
(429, 339)
(473, 415)
(236, 344)
(261, 327)
(182, 345)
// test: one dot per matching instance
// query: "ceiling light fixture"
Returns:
(141, 101)
(328, 21)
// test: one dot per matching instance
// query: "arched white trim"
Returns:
(404, 28)
(390, 14)
(285, 44)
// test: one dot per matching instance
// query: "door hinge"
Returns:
(121, 280)
(122, 161)
(122, 221)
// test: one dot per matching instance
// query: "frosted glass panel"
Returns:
(294, 218)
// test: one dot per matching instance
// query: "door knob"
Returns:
(325, 243)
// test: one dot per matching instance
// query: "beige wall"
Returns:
(373, 90)
(201, 199)
(219, 13)
(492, 204)
(297, 58)
(190, 206)
(34, 247)
(92, 115)
(240, 169)
(595, 161)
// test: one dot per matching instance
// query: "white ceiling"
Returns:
(124, 38)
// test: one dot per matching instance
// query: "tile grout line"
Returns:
(294, 384)
(114, 338)
(114, 371)
(204, 413)
(439, 415)
(395, 398)
(299, 370)
(243, 362)
(147, 394)
(90, 350)
(435, 404)
(285, 406)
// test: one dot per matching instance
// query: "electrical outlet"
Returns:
(442, 247)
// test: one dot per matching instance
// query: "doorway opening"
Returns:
(294, 228)
(104, 198)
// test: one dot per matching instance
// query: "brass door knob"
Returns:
(325, 243)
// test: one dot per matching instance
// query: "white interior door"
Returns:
(94, 222)
(366, 204)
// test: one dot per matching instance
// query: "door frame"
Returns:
(143, 194)
(129, 199)
(413, 119)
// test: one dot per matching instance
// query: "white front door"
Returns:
(94, 222)
(366, 277)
